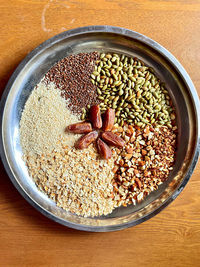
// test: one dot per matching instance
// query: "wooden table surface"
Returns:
(27, 238)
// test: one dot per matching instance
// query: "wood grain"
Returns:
(27, 238)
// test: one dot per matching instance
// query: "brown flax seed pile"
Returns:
(71, 75)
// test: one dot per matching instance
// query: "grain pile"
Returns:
(44, 120)
(77, 180)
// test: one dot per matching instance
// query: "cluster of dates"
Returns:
(99, 130)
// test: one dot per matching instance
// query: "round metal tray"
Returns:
(113, 39)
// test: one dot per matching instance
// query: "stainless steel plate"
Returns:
(113, 39)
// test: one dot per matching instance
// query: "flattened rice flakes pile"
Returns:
(77, 180)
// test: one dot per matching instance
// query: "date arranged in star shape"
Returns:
(97, 130)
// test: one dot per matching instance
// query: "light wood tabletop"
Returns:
(172, 238)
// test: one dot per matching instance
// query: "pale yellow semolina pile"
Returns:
(77, 180)
(44, 120)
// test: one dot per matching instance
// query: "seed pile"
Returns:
(144, 163)
(133, 90)
(76, 180)
(72, 76)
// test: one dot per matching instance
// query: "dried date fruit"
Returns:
(91, 134)
(104, 149)
(80, 128)
(109, 119)
(95, 116)
(113, 139)
(86, 140)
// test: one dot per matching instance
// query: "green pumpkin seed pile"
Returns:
(131, 88)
